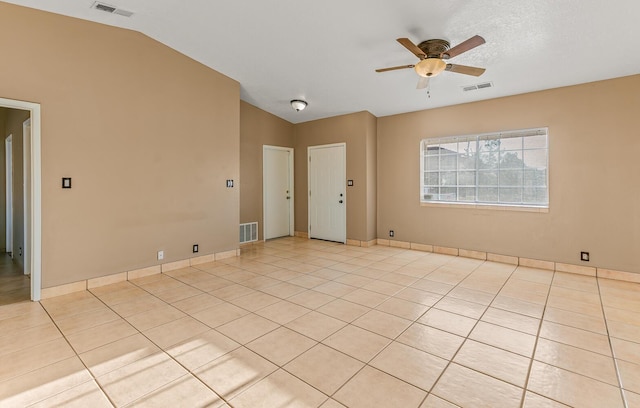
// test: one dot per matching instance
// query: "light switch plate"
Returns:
(66, 182)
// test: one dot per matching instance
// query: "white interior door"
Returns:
(327, 195)
(277, 174)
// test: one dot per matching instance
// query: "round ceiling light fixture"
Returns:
(298, 104)
(430, 67)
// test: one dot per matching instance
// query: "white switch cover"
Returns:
(160, 255)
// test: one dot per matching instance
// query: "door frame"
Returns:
(26, 194)
(264, 189)
(8, 184)
(344, 180)
(35, 240)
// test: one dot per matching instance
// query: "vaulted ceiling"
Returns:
(326, 52)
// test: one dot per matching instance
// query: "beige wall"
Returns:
(148, 136)
(356, 131)
(594, 170)
(257, 128)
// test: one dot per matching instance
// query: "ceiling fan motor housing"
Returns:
(434, 48)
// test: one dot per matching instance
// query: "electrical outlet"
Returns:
(160, 255)
(195, 248)
(392, 234)
(584, 256)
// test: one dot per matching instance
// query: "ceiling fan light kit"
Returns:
(430, 67)
(298, 104)
(432, 54)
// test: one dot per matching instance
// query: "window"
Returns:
(508, 168)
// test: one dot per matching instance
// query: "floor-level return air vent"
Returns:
(248, 232)
(476, 87)
(107, 8)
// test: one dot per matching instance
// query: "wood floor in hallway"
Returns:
(14, 285)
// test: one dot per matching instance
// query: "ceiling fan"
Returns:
(432, 54)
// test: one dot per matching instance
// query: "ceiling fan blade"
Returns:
(464, 69)
(464, 46)
(394, 68)
(412, 47)
(423, 82)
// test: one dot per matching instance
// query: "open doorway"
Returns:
(20, 261)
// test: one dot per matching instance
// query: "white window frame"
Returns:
(477, 138)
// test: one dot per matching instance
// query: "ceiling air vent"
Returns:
(477, 86)
(111, 9)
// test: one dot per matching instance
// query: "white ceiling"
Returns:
(326, 51)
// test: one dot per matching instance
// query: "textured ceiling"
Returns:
(326, 51)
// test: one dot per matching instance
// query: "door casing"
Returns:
(26, 191)
(8, 160)
(34, 242)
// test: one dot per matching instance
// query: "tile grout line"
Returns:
(161, 350)
(371, 309)
(93, 377)
(535, 345)
(329, 397)
(213, 328)
(469, 333)
(400, 334)
(613, 353)
(144, 335)
(434, 307)
(366, 364)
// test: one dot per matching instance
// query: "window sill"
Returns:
(477, 206)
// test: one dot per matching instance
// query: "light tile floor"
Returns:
(306, 323)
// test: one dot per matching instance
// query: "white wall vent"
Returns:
(476, 87)
(111, 9)
(248, 232)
